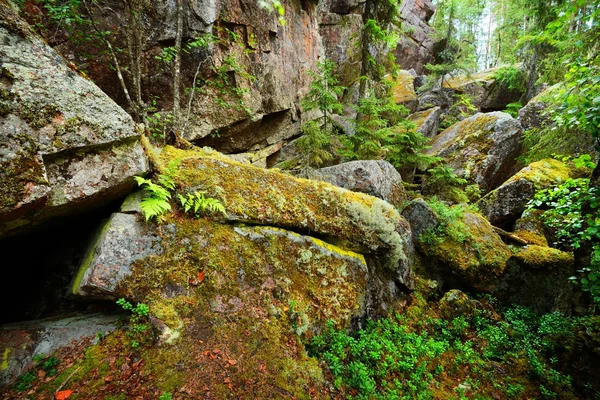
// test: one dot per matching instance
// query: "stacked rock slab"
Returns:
(64, 144)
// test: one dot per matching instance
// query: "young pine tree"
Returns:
(315, 144)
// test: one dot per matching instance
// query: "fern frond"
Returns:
(153, 207)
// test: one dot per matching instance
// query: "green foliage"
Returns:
(24, 381)
(275, 5)
(513, 108)
(511, 77)
(382, 132)
(450, 226)
(155, 203)
(323, 95)
(445, 184)
(571, 210)
(138, 321)
(201, 42)
(580, 97)
(165, 396)
(417, 355)
(46, 364)
(198, 204)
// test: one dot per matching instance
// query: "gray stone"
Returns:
(64, 144)
(482, 148)
(124, 239)
(427, 122)
(421, 218)
(21, 342)
(456, 303)
(377, 178)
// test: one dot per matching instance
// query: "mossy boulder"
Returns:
(504, 205)
(482, 148)
(253, 195)
(456, 303)
(377, 178)
(460, 250)
(486, 92)
(538, 277)
(245, 297)
(65, 144)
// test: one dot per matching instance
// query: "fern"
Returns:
(156, 198)
(200, 204)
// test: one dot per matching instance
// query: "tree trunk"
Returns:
(365, 52)
(177, 68)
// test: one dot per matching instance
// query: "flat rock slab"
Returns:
(64, 144)
(21, 342)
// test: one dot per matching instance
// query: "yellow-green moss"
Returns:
(4, 363)
(544, 173)
(403, 89)
(539, 256)
(532, 237)
(358, 222)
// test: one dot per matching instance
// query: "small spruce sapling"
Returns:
(323, 96)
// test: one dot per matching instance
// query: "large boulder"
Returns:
(538, 277)
(504, 205)
(460, 248)
(64, 144)
(377, 178)
(255, 281)
(486, 92)
(482, 148)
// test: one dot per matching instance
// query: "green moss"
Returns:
(359, 222)
(88, 257)
(544, 173)
(38, 114)
(539, 256)
(4, 363)
(532, 237)
(466, 243)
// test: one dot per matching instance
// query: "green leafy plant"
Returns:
(138, 321)
(316, 142)
(511, 77)
(165, 396)
(198, 204)
(155, 203)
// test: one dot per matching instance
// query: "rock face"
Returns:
(486, 93)
(418, 47)
(482, 148)
(376, 178)
(421, 218)
(504, 205)
(21, 342)
(64, 144)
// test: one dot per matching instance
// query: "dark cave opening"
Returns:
(38, 267)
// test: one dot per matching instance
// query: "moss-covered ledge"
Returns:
(256, 196)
